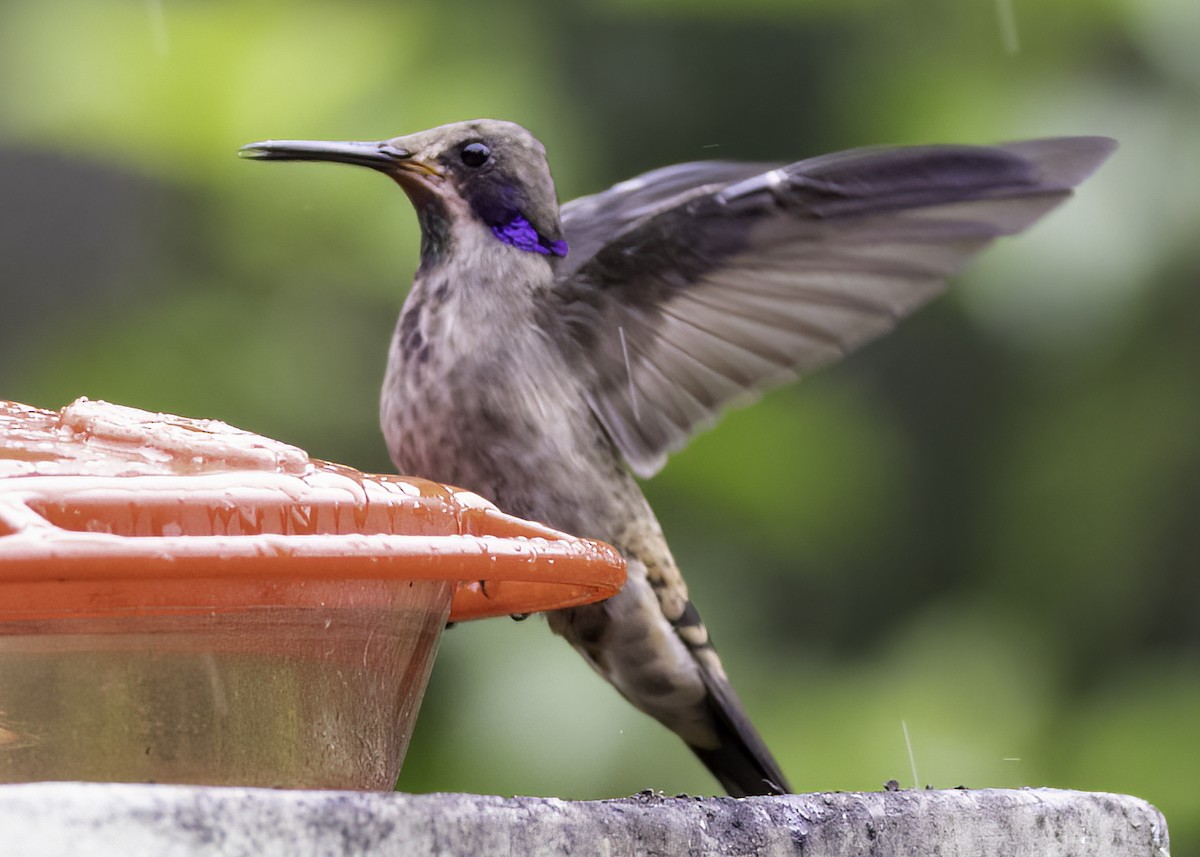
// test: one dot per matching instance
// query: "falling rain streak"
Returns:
(1008, 26)
(158, 27)
(912, 757)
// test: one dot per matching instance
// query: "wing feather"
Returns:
(692, 288)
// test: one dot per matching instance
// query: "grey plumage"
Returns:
(536, 378)
(767, 278)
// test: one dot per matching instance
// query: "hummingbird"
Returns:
(547, 356)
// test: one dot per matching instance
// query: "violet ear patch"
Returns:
(520, 233)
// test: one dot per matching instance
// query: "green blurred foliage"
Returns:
(983, 527)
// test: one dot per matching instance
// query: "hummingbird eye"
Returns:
(475, 154)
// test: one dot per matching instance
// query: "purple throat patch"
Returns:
(520, 233)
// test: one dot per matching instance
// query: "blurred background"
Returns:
(984, 528)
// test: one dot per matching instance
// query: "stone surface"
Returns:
(114, 820)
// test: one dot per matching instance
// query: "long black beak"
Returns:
(381, 156)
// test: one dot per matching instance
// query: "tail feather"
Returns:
(741, 761)
(650, 643)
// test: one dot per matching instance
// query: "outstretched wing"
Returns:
(590, 222)
(725, 279)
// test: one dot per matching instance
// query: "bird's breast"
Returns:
(480, 398)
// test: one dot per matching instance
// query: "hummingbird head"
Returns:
(479, 174)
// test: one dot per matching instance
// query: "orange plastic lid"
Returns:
(108, 507)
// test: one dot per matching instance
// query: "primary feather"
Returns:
(717, 280)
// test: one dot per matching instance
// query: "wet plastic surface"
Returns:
(311, 697)
(102, 493)
(184, 602)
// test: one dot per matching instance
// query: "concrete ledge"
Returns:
(118, 820)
